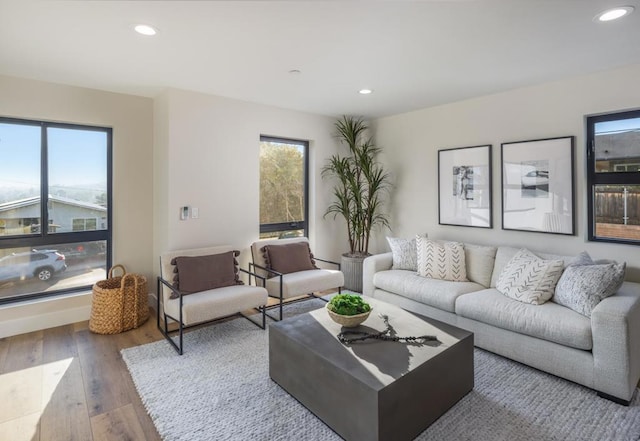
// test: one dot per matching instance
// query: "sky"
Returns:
(77, 158)
(618, 125)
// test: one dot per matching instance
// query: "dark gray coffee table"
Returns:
(373, 390)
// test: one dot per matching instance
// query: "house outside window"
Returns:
(284, 167)
(58, 175)
(613, 177)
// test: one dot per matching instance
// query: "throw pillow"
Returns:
(582, 287)
(480, 261)
(529, 279)
(581, 259)
(201, 273)
(404, 252)
(441, 260)
(289, 258)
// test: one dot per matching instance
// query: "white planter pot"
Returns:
(352, 269)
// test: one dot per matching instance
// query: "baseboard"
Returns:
(20, 318)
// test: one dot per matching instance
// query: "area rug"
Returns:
(220, 390)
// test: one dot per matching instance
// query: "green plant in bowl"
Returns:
(348, 304)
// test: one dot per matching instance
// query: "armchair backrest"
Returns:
(258, 256)
(167, 269)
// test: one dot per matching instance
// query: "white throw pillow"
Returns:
(529, 279)
(404, 252)
(441, 260)
(582, 287)
(480, 262)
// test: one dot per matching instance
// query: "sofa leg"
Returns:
(614, 399)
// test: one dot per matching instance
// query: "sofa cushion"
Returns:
(549, 321)
(582, 287)
(479, 261)
(304, 282)
(433, 292)
(441, 260)
(404, 253)
(221, 302)
(529, 279)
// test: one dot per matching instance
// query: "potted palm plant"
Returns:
(360, 185)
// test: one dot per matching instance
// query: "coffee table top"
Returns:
(373, 362)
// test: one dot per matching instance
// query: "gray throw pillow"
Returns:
(581, 259)
(404, 253)
(582, 287)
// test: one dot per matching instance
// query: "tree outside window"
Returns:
(283, 187)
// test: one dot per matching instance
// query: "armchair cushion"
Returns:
(202, 273)
(289, 258)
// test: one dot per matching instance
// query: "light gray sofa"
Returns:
(601, 352)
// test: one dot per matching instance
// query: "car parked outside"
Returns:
(42, 264)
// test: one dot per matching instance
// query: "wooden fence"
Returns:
(609, 207)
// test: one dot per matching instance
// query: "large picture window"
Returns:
(283, 187)
(613, 177)
(55, 207)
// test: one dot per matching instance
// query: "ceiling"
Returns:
(413, 54)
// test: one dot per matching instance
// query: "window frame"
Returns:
(609, 178)
(292, 226)
(44, 237)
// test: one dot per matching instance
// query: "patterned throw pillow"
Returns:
(529, 279)
(404, 253)
(582, 287)
(441, 260)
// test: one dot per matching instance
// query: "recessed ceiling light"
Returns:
(365, 91)
(614, 13)
(294, 71)
(145, 29)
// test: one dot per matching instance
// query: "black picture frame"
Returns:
(538, 185)
(465, 186)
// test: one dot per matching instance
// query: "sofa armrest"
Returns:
(615, 323)
(370, 266)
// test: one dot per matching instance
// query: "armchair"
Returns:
(287, 269)
(199, 286)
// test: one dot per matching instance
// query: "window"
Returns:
(84, 224)
(283, 187)
(613, 177)
(57, 175)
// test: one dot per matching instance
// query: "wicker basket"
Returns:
(348, 321)
(119, 303)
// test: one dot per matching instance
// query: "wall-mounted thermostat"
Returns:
(184, 212)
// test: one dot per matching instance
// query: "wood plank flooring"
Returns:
(68, 384)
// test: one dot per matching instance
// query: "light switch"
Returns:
(195, 213)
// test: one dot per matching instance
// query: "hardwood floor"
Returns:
(68, 384)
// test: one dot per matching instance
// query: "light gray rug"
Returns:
(220, 390)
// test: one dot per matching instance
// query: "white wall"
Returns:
(411, 142)
(207, 156)
(132, 121)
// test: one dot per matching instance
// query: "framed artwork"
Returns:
(538, 186)
(464, 186)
